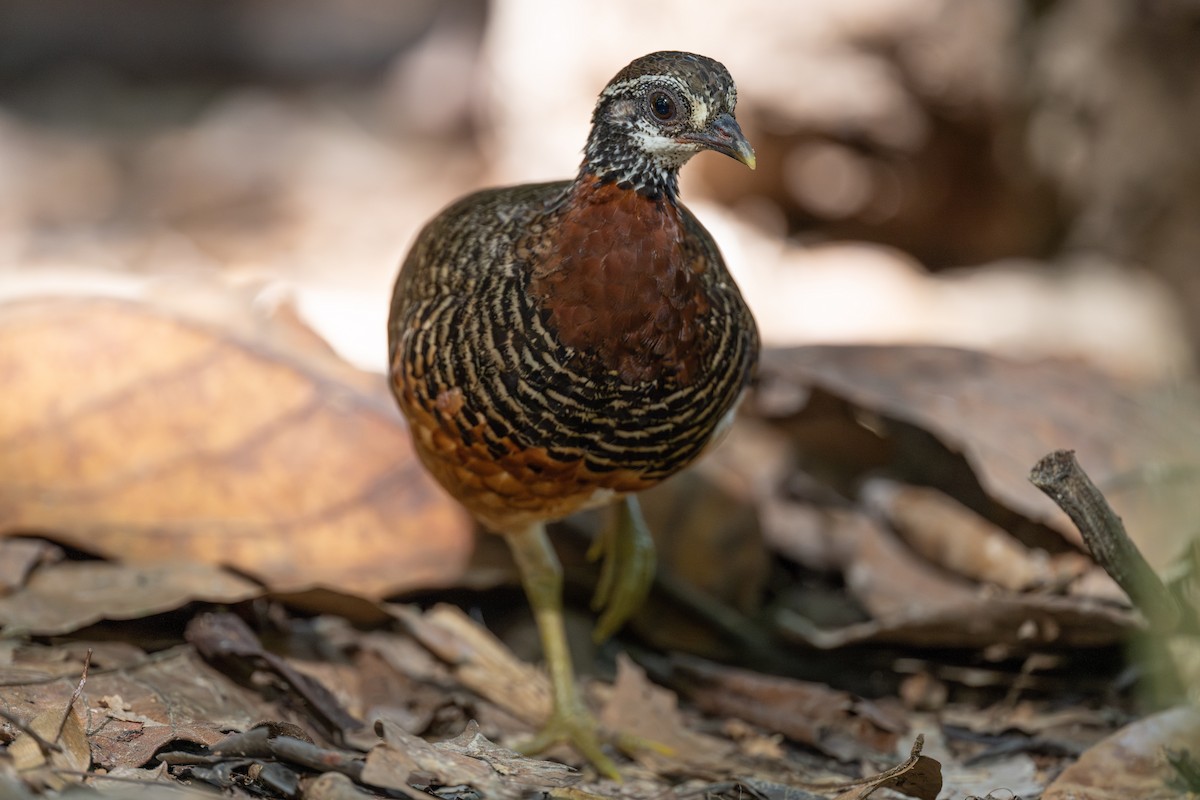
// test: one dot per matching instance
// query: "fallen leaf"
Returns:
(402, 759)
(651, 713)
(1133, 761)
(1000, 416)
(1002, 778)
(529, 773)
(136, 434)
(170, 696)
(920, 778)
(834, 722)
(128, 783)
(758, 789)
(948, 534)
(63, 728)
(18, 557)
(65, 597)
(480, 661)
(912, 602)
(707, 538)
(225, 641)
(334, 786)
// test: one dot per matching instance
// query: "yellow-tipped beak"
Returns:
(725, 136)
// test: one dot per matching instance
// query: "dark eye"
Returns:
(662, 106)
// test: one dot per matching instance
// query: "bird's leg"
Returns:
(628, 568)
(570, 721)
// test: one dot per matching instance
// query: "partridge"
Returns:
(562, 346)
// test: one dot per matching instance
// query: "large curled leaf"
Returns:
(136, 434)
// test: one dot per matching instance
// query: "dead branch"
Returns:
(1060, 477)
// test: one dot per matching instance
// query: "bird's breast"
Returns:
(615, 278)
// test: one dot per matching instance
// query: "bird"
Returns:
(562, 346)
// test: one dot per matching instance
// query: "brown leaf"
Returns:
(913, 603)
(837, 723)
(171, 696)
(68, 596)
(1139, 445)
(467, 759)
(334, 786)
(919, 777)
(66, 730)
(651, 713)
(135, 434)
(224, 640)
(1133, 761)
(946, 533)
(480, 661)
(530, 773)
(1018, 623)
(18, 557)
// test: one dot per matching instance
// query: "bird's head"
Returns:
(657, 113)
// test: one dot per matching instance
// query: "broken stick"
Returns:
(1061, 478)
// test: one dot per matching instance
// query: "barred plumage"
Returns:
(558, 346)
(464, 319)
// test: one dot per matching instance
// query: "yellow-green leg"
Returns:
(628, 568)
(570, 721)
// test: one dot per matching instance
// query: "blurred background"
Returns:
(1021, 176)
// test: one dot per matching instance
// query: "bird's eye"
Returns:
(662, 106)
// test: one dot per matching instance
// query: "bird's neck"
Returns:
(616, 280)
(629, 168)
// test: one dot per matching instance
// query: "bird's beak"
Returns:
(724, 136)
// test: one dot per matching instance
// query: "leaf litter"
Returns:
(879, 607)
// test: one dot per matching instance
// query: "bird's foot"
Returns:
(627, 570)
(575, 726)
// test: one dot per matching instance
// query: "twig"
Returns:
(62, 723)
(1061, 478)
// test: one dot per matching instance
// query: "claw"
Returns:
(574, 726)
(627, 570)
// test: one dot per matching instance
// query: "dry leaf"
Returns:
(128, 783)
(1140, 446)
(651, 713)
(226, 641)
(18, 557)
(334, 786)
(137, 435)
(837, 723)
(920, 777)
(530, 773)
(946, 533)
(170, 696)
(913, 603)
(71, 595)
(1133, 761)
(480, 661)
(467, 759)
(64, 728)
(707, 538)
